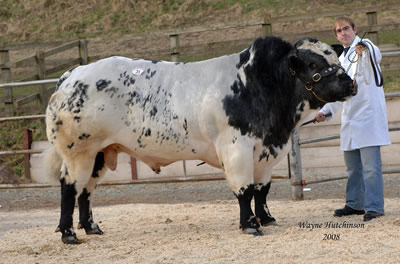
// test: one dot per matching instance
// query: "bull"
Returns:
(234, 112)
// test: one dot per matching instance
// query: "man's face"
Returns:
(345, 33)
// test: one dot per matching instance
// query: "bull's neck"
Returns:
(266, 103)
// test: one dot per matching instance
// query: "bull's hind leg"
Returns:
(84, 201)
(261, 208)
(68, 196)
(73, 177)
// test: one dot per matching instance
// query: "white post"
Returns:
(296, 168)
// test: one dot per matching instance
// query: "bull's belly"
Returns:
(156, 151)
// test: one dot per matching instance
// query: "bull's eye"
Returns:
(313, 65)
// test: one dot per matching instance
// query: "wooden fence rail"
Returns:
(38, 61)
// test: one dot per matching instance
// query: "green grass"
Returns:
(171, 5)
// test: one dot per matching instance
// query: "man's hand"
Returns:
(320, 117)
(359, 49)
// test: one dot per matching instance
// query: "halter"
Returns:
(316, 78)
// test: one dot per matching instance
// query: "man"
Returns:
(364, 126)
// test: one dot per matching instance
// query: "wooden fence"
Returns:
(37, 61)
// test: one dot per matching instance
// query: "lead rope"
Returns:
(354, 61)
(316, 96)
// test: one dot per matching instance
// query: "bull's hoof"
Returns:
(70, 240)
(68, 236)
(92, 229)
(267, 221)
(253, 231)
(251, 227)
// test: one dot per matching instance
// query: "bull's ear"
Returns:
(293, 60)
(338, 49)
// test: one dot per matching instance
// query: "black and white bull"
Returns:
(234, 112)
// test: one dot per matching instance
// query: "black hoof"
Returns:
(272, 223)
(252, 227)
(267, 221)
(92, 229)
(253, 231)
(68, 236)
(70, 240)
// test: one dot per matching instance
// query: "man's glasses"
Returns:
(343, 29)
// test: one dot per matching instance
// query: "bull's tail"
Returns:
(52, 162)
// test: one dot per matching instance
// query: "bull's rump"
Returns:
(156, 110)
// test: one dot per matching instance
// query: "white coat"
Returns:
(364, 118)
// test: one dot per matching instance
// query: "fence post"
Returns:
(373, 22)
(296, 168)
(43, 96)
(83, 52)
(27, 145)
(6, 76)
(174, 44)
(134, 175)
(266, 26)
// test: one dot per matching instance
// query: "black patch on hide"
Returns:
(265, 107)
(98, 164)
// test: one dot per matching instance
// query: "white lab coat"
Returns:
(364, 118)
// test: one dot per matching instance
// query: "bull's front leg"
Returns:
(237, 162)
(248, 222)
(261, 208)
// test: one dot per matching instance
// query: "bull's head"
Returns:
(317, 66)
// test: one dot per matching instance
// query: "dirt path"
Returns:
(207, 232)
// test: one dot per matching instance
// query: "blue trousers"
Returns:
(364, 188)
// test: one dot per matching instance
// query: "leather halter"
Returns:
(316, 78)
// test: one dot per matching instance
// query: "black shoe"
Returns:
(371, 215)
(347, 211)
